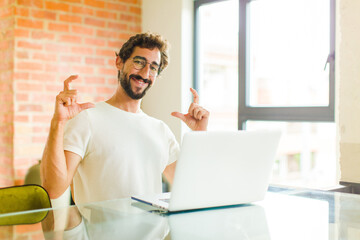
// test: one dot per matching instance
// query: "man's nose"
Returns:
(145, 72)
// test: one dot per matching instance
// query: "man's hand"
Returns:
(197, 117)
(66, 106)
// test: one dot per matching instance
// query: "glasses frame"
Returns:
(153, 73)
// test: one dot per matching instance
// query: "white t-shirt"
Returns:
(123, 153)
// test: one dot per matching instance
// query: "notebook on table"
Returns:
(218, 169)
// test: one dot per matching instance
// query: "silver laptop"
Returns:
(219, 169)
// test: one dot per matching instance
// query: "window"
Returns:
(270, 64)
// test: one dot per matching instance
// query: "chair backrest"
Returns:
(23, 198)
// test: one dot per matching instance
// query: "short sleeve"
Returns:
(77, 134)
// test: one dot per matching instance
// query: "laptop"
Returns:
(218, 169)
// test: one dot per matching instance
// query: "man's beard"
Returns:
(125, 82)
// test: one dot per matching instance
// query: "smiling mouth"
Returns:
(139, 78)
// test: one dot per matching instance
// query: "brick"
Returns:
(6, 117)
(135, 28)
(7, 12)
(82, 10)
(106, 14)
(129, 18)
(71, 58)
(58, 27)
(43, 14)
(95, 3)
(42, 119)
(6, 66)
(71, 39)
(107, 53)
(44, 56)
(6, 44)
(22, 11)
(105, 90)
(22, 55)
(116, 6)
(136, 10)
(8, 34)
(82, 50)
(100, 99)
(70, 18)
(72, 1)
(7, 171)
(6, 97)
(44, 97)
(95, 42)
(117, 26)
(57, 6)
(5, 160)
(95, 61)
(29, 108)
(85, 89)
(42, 35)
(82, 30)
(7, 23)
(22, 118)
(56, 68)
(31, 3)
(43, 77)
(108, 71)
(30, 23)
(19, 182)
(21, 75)
(94, 22)
(107, 34)
(54, 47)
(5, 87)
(40, 139)
(38, 129)
(111, 61)
(29, 66)
(82, 69)
(95, 80)
(28, 87)
(130, 1)
(115, 44)
(19, 32)
(22, 97)
(29, 45)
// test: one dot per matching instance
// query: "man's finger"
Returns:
(68, 81)
(179, 115)
(87, 105)
(196, 95)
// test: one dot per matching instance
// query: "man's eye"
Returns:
(138, 62)
(153, 68)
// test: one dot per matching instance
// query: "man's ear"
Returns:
(119, 63)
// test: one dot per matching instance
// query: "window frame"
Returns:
(247, 112)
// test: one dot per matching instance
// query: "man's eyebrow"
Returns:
(140, 57)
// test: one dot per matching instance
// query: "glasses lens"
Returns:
(139, 63)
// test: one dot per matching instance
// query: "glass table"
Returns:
(282, 215)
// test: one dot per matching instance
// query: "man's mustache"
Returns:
(138, 77)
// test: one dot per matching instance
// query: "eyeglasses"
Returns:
(140, 63)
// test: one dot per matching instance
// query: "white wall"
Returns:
(348, 88)
(173, 20)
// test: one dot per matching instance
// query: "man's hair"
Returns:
(149, 41)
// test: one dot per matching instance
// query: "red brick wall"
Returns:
(6, 92)
(52, 40)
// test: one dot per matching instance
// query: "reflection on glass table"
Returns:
(289, 214)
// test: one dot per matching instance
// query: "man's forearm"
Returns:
(54, 174)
